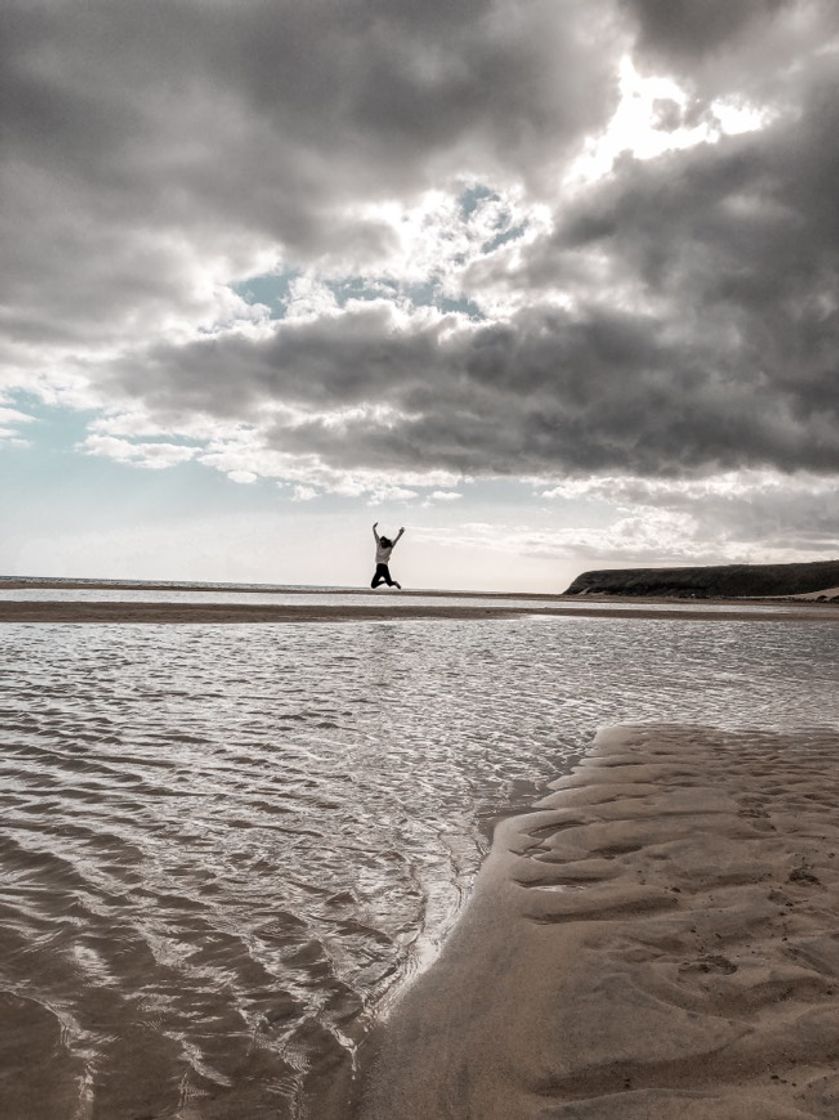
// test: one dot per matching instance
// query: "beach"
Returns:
(419, 576)
(320, 872)
(389, 608)
(657, 938)
(125, 601)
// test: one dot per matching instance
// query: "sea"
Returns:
(225, 850)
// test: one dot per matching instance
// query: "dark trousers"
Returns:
(382, 576)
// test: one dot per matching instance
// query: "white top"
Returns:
(383, 551)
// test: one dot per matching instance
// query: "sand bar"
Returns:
(88, 611)
(659, 939)
(10, 583)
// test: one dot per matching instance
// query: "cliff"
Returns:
(726, 581)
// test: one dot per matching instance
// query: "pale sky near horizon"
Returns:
(555, 285)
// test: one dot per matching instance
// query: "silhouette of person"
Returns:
(384, 547)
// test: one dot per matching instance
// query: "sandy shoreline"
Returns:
(149, 612)
(13, 584)
(658, 939)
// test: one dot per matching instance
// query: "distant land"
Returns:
(729, 581)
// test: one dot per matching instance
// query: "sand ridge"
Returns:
(658, 938)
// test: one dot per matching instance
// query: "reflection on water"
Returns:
(223, 846)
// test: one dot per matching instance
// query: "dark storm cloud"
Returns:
(144, 141)
(737, 246)
(548, 391)
(685, 30)
(732, 247)
(132, 128)
(753, 49)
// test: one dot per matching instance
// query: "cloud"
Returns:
(752, 50)
(738, 516)
(303, 494)
(681, 30)
(10, 418)
(549, 391)
(154, 151)
(386, 493)
(734, 250)
(657, 537)
(152, 456)
(452, 310)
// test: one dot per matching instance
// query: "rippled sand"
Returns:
(226, 850)
(657, 940)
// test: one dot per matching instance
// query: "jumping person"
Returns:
(384, 547)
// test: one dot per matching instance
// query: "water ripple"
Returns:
(224, 846)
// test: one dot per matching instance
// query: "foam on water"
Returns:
(223, 846)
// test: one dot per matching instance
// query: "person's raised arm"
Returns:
(398, 535)
(375, 534)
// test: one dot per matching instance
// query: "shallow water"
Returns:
(224, 846)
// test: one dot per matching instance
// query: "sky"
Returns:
(554, 284)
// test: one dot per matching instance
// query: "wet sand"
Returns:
(658, 939)
(8, 583)
(151, 612)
